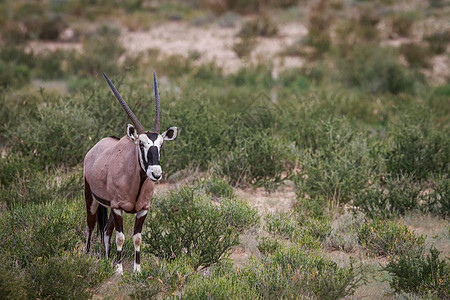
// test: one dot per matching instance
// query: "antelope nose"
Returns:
(156, 176)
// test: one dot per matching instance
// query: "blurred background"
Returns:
(309, 132)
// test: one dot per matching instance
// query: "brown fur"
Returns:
(112, 170)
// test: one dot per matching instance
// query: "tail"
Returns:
(102, 219)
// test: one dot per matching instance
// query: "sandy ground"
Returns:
(214, 43)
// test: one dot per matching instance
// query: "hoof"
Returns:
(119, 269)
(137, 268)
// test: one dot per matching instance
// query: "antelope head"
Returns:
(149, 143)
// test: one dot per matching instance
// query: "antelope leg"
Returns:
(140, 218)
(120, 237)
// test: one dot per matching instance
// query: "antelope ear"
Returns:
(170, 134)
(131, 132)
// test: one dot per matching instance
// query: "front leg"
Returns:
(120, 237)
(140, 218)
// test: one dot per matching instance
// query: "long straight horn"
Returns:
(157, 126)
(140, 129)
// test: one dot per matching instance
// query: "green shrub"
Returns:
(420, 146)
(402, 23)
(12, 74)
(267, 245)
(414, 272)
(416, 55)
(287, 273)
(41, 230)
(376, 70)
(294, 78)
(354, 31)
(100, 53)
(261, 26)
(217, 187)
(28, 185)
(197, 144)
(438, 41)
(70, 276)
(222, 285)
(437, 200)
(159, 276)
(49, 64)
(388, 238)
(244, 46)
(281, 224)
(308, 235)
(59, 135)
(395, 195)
(13, 283)
(259, 158)
(290, 272)
(344, 231)
(337, 169)
(319, 22)
(188, 221)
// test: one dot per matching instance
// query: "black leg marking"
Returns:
(120, 237)
(137, 239)
(91, 214)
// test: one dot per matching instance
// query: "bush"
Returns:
(416, 55)
(259, 158)
(290, 272)
(388, 238)
(414, 272)
(267, 245)
(287, 273)
(319, 22)
(402, 23)
(38, 243)
(420, 148)
(376, 70)
(41, 230)
(437, 200)
(438, 41)
(188, 221)
(70, 276)
(100, 53)
(24, 184)
(261, 26)
(57, 136)
(244, 46)
(394, 195)
(217, 187)
(344, 231)
(159, 276)
(338, 168)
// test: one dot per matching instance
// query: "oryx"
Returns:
(120, 174)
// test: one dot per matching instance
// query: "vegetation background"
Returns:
(312, 159)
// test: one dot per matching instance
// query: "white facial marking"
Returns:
(120, 239)
(94, 207)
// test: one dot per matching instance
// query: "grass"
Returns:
(359, 135)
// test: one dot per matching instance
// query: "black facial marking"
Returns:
(152, 136)
(152, 156)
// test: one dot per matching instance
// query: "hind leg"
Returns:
(108, 233)
(91, 218)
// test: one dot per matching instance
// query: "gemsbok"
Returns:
(120, 174)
